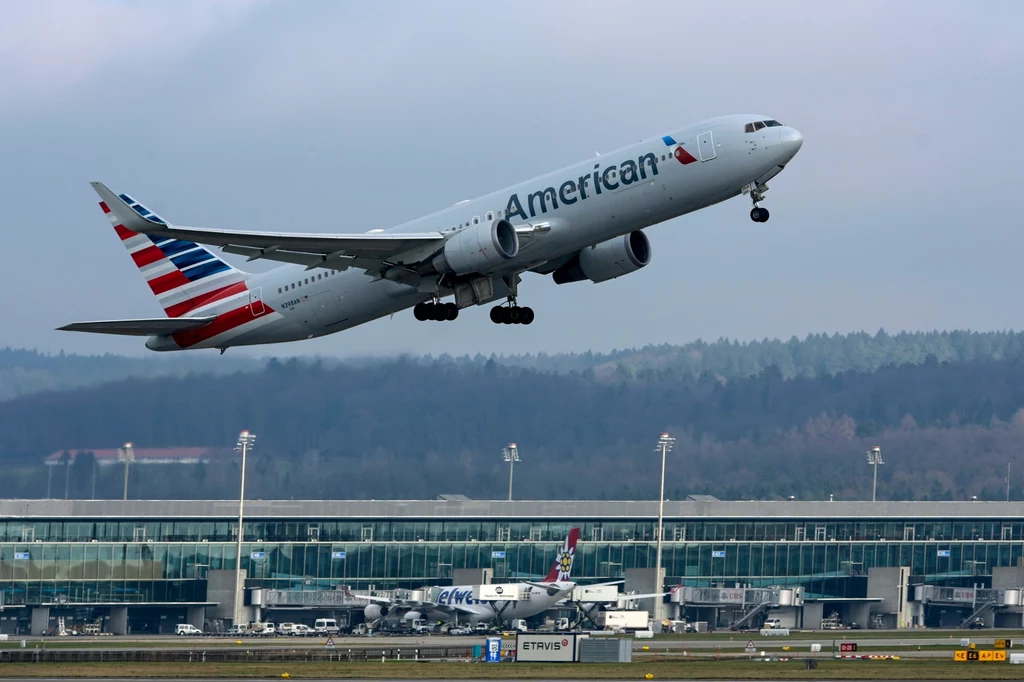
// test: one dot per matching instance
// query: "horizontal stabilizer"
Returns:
(140, 327)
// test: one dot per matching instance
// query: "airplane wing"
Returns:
(368, 251)
(140, 327)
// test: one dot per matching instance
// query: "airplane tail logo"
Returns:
(562, 568)
(184, 276)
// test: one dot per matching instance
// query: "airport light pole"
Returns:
(874, 459)
(246, 441)
(128, 453)
(511, 455)
(664, 445)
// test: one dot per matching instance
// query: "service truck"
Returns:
(624, 620)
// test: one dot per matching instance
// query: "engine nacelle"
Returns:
(607, 260)
(412, 615)
(375, 611)
(478, 248)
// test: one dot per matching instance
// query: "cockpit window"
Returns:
(758, 125)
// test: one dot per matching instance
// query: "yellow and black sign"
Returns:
(984, 655)
(1003, 643)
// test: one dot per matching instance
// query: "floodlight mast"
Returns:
(874, 459)
(128, 452)
(246, 441)
(664, 446)
(511, 455)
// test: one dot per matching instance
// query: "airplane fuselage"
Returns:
(608, 196)
(533, 601)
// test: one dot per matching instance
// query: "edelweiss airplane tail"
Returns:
(184, 276)
(562, 568)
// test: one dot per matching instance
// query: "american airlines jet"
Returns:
(457, 603)
(581, 223)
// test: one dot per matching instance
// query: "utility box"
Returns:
(606, 650)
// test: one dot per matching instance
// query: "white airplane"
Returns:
(457, 603)
(580, 223)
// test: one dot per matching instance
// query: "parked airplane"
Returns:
(457, 603)
(580, 223)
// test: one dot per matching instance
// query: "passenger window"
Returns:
(279, 290)
(758, 125)
(476, 220)
(490, 215)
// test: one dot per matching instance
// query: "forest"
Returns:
(28, 371)
(416, 428)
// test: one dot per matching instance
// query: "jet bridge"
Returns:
(941, 603)
(742, 605)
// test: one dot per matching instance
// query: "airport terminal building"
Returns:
(143, 566)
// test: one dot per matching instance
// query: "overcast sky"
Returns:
(901, 211)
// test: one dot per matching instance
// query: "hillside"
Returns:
(416, 429)
(23, 372)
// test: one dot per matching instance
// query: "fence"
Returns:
(218, 655)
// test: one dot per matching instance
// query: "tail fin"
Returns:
(184, 276)
(562, 568)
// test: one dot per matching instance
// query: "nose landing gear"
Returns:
(756, 191)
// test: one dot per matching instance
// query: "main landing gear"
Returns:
(436, 311)
(758, 214)
(511, 314)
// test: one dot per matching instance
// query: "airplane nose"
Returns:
(791, 141)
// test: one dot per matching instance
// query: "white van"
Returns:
(772, 624)
(187, 629)
(326, 626)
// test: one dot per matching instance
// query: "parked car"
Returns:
(460, 630)
(187, 629)
(772, 624)
(300, 630)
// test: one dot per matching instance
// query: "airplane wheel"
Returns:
(764, 215)
(755, 214)
(496, 314)
(512, 315)
(451, 311)
(526, 316)
(421, 312)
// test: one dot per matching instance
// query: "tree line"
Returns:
(27, 371)
(406, 428)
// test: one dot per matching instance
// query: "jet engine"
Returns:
(607, 260)
(412, 615)
(375, 611)
(478, 248)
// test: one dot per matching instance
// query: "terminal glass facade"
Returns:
(110, 560)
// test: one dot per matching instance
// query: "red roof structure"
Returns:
(106, 456)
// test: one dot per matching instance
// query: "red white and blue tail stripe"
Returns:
(184, 276)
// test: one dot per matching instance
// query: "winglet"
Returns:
(127, 213)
